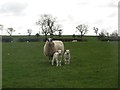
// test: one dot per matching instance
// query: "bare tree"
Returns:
(96, 30)
(29, 31)
(107, 34)
(114, 34)
(10, 31)
(47, 23)
(37, 35)
(60, 32)
(83, 29)
(58, 28)
(102, 34)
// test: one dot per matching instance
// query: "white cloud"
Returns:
(23, 14)
(12, 8)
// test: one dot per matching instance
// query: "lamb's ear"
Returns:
(64, 50)
(69, 50)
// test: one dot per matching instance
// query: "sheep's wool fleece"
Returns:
(58, 45)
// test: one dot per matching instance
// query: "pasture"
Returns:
(94, 65)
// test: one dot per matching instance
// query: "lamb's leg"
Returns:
(57, 62)
(68, 61)
(60, 62)
(53, 61)
(65, 61)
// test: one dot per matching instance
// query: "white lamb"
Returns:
(57, 56)
(67, 56)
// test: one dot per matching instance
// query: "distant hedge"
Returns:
(7, 39)
(68, 39)
(28, 39)
(112, 39)
(109, 39)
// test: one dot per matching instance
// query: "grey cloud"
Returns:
(70, 18)
(112, 15)
(83, 3)
(99, 21)
(13, 8)
(110, 4)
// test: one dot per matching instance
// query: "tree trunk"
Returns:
(45, 35)
(81, 36)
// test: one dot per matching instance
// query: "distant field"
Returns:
(94, 65)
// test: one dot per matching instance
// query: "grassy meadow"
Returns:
(94, 64)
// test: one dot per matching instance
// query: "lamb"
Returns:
(67, 56)
(51, 47)
(57, 57)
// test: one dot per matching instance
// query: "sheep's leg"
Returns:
(65, 61)
(68, 61)
(49, 60)
(53, 61)
(60, 63)
(57, 63)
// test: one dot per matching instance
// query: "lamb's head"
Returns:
(60, 52)
(67, 52)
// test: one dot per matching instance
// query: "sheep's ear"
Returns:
(51, 39)
(46, 39)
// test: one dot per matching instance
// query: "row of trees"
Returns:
(108, 35)
(9, 30)
(48, 25)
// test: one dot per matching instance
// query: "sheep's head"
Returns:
(67, 52)
(49, 39)
(50, 43)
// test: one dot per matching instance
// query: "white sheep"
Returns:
(51, 47)
(67, 56)
(57, 57)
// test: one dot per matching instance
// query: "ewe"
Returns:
(51, 47)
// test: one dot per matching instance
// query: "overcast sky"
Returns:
(22, 14)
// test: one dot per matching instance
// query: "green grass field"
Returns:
(94, 65)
